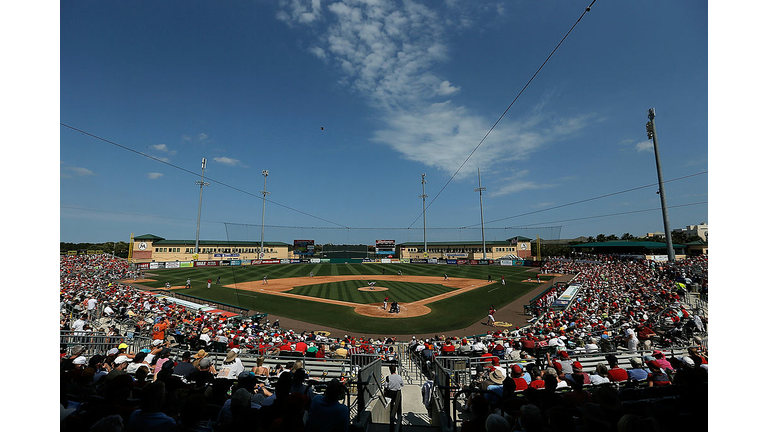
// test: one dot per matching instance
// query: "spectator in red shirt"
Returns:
(517, 377)
(615, 373)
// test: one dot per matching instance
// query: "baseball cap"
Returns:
(81, 360)
(122, 346)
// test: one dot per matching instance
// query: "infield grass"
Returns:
(455, 312)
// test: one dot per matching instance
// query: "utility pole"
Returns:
(202, 183)
(264, 194)
(650, 127)
(480, 189)
(423, 197)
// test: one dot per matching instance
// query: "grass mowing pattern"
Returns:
(404, 292)
(452, 313)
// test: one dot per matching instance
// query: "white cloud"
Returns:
(202, 137)
(446, 89)
(69, 171)
(163, 148)
(227, 161)
(390, 53)
(299, 11)
(644, 146)
(154, 176)
(443, 136)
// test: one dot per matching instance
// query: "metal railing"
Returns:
(100, 343)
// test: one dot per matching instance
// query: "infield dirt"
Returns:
(280, 287)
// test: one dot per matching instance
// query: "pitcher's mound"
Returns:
(374, 288)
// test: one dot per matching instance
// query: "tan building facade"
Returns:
(149, 248)
(471, 250)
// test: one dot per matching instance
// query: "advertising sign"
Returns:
(227, 255)
(174, 264)
(432, 261)
(450, 262)
(303, 247)
(315, 260)
(235, 262)
(457, 255)
(184, 264)
(206, 263)
(461, 262)
(266, 261)
(142, 266)
(156, 265)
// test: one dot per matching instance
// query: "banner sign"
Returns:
(315, 260)
(206, 263)
(185, 264)
(174, 264)
(418, 261)
(385, 260)
(325, 260)
(451, 261)
(266, 261)
(405, 260)
(142, 266)
(156, 265)
(461, 262)
(385, 247)
(235, 262)
(457, 255)
(303, 247)
(232, 255)
(224, 262)
(367, 260)
(432, 261)
(506, 262)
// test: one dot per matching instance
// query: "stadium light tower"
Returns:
(423, 197)
(650, 127)
(202, 183)
(264, 194)
(480, 189)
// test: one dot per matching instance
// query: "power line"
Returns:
(594, 198)
(508, 107)
(193, 173)
(622, 213)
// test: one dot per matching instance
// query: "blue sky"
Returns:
(347, 103)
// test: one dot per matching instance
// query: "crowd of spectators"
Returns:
(626, 302)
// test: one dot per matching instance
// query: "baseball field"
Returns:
(432, 298)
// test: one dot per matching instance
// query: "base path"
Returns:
(407, 310)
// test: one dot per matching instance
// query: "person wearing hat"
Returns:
(232, 366)
(657, 376)
(517, 377)
(162, 358)
(578, 370)
(663, 362)
(637, 372)
(204, 374)
(201, 354)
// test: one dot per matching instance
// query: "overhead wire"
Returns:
(506, 110)
(195, 174)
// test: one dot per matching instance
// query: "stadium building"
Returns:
(472, 250)
(151, 248)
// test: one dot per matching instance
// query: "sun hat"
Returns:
(497, 376)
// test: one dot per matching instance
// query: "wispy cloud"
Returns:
(154, 176)
(227, 161)
(163, 148)
(69, 171)
(644, 146)
(389, 52)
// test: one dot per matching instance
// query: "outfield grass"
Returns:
(455, 312)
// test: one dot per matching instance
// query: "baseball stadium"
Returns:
(402, 343)
(334, 314)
